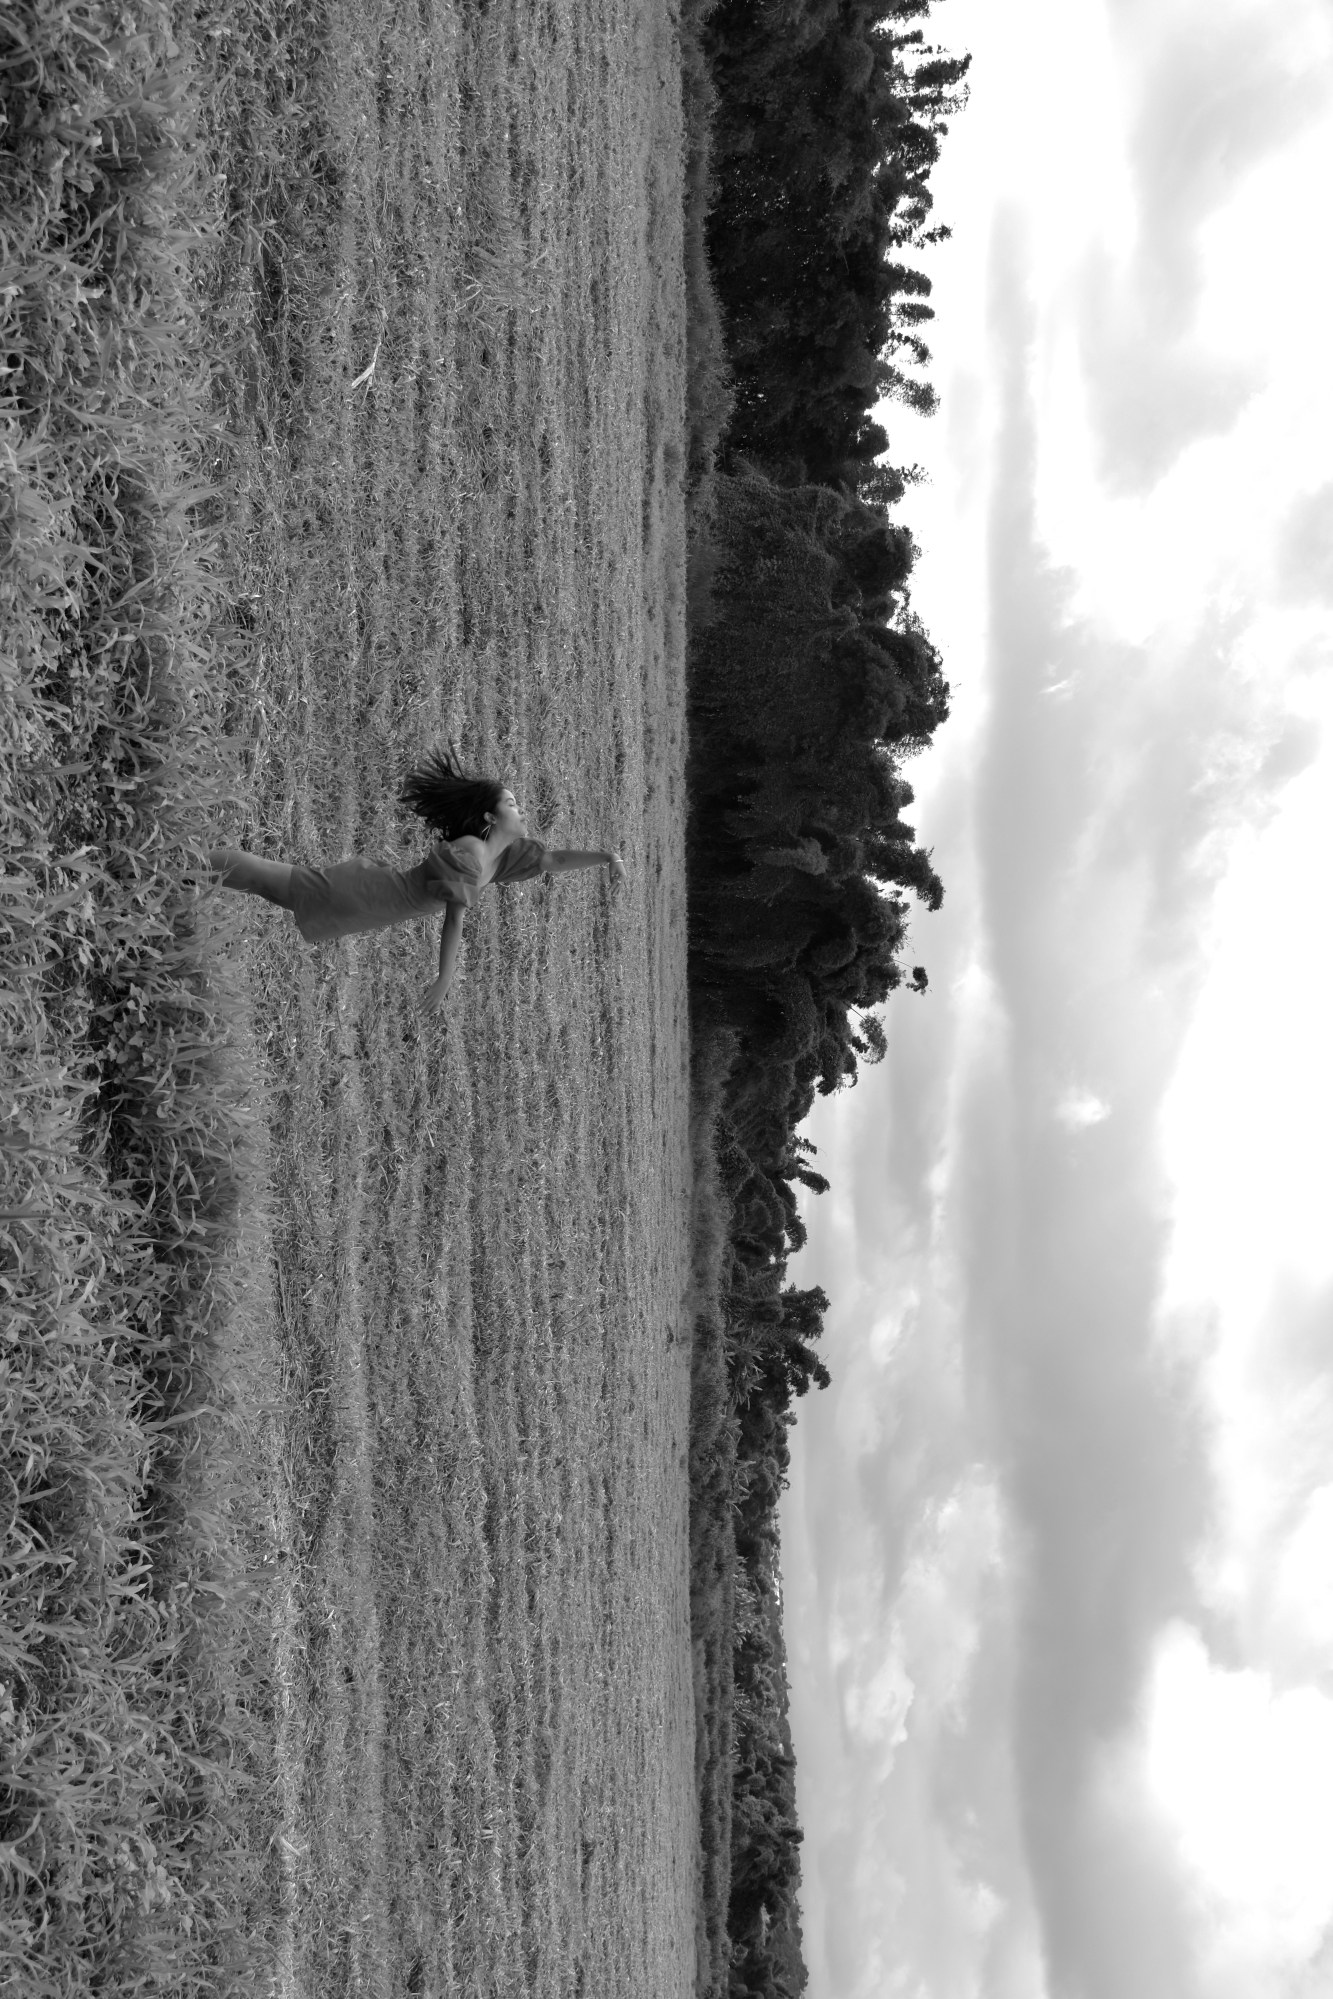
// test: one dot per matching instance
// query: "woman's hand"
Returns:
(432, 1000)
(617, 867)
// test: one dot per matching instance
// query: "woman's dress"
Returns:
(360, 895)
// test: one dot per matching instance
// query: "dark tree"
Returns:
(810, 683)
(829, 120)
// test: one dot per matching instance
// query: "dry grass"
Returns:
(713, 1444)
(128, 1703)
(378, 1681)
(458, 390)
(708, 377)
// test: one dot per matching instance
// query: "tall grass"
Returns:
(708, 390)
(713, 1423)
(712, 1459)
(123, 1727)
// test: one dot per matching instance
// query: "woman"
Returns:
(482, 838)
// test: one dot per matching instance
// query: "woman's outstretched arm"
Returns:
(559, 860)
(451, 937)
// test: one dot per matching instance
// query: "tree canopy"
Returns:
(811, 681)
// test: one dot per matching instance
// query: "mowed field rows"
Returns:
(456, 342)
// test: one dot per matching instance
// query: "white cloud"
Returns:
(875, 1711)
(1079, 1110)
(1149, 827)
(1300, 1625)
(1248, 1122)
(958, 1548)
(1247, 1132)
(1242, 1773)
(888, 1330)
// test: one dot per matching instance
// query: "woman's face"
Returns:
(508, 815)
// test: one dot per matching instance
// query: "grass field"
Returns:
(444, 304)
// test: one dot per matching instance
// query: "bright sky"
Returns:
(1059, 1544)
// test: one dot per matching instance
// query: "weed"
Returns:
(124, 1651)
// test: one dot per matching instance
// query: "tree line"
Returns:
(829, 119)
(810, 683)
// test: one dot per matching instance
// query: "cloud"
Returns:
(1300, 1596)
(1214, 97)
(1211, 103)
(1080, 1109)
(898, 1541)
(1127, 1903)
(1305, 550)
(875, 1709)
(1241, 1773)
(1265, 1572)
(1006, 1214)
(1150, 393)
(1105, 820)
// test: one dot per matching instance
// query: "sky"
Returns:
(1058, 1546)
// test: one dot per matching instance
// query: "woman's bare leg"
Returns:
(235, 869)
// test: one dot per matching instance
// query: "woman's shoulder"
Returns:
(455, 869)
(466, 852)
(521, 861)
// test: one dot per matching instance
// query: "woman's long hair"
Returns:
(450, 801)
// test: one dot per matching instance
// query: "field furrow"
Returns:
(458, 514)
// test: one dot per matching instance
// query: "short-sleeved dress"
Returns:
(360, 895)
